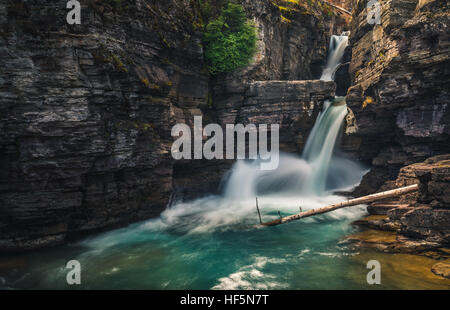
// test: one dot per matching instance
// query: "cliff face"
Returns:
(429, 216)
(292, 45)
(86, 110)
(293, 105)
(400, 73)
(400, 86)
(86, 113)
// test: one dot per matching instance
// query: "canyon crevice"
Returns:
(86, 111)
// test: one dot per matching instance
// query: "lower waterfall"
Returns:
(211, 243)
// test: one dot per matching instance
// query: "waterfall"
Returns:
(314, 173)
(335, 54)
(319, 147)
(318, 170)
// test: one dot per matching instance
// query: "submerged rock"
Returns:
(403, 271)
(442, 269)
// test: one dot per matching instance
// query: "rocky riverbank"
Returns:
(416, 223)
(399, 98)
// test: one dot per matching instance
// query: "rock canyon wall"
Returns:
(86, 110)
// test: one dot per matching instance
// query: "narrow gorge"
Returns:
(86, 170)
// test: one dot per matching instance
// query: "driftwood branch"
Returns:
(348, 203)
(337, 7)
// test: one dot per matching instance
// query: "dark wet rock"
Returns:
(379, 222)
(209, 176)
(391, 242)
(86, 111)
(421, 216)
(399, 93)
(342, 76)
(427, 223)
(294, 105)
(433, 176)
(373, 180)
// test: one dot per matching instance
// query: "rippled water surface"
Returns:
(212, 244)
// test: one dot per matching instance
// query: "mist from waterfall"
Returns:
(318, 171)
(212, 242)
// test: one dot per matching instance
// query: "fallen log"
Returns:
(338, 8)
(343, 204)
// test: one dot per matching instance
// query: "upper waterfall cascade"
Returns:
(335, 55)
(318, 171)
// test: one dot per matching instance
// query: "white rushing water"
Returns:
(318, 170)
(306, 180)
(212, 242)
(316, 173)
(336, 52)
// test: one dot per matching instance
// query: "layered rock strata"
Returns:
(400, 72)
(86, 110)
(421, 220)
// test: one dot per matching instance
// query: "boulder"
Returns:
(442, 269)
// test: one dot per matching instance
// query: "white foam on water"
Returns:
(305, 181)
(252, 277)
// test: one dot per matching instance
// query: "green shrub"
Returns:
(229, 40)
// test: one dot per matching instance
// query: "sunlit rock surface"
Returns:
(442, 269)
(422, 219)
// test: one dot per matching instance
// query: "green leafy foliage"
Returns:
(229, 40)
